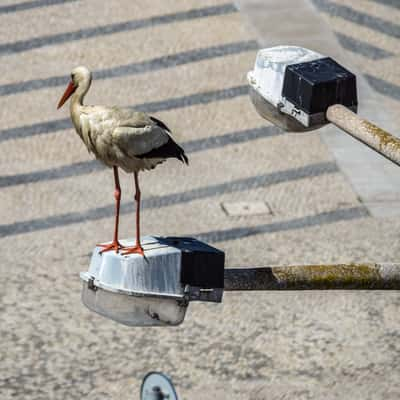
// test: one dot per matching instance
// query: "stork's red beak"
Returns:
(70, 89)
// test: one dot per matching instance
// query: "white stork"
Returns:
(120, 138)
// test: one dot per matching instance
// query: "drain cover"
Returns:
(243, 208)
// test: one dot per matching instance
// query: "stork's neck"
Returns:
(79, 94)
(76, 103)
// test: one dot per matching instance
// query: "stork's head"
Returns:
(81, 78)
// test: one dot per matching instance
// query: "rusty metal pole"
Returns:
(315, 277)
(366, 132)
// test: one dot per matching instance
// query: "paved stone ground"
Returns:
(185, 62)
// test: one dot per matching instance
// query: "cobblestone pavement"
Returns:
(184, 61)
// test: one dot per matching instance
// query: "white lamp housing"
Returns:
(292, 87)
(154, 290)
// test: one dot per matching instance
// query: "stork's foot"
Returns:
(115, 245)
(138, 249)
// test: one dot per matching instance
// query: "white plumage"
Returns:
(119, 137)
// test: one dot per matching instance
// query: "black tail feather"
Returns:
(183, 157)
(167, 150)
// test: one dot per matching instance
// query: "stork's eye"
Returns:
(72, 76)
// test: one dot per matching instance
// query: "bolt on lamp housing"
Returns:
(293, 87)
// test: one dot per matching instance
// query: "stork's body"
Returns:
(120, 138)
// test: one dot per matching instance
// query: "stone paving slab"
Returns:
(56, 204)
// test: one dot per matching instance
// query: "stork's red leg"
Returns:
(115, 244)
(138, 247)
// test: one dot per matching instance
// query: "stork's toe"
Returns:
(134, 250)
(115, 245)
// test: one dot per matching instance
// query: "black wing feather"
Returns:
(160, 123)
(167, 150)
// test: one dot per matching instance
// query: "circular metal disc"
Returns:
(157, 386)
